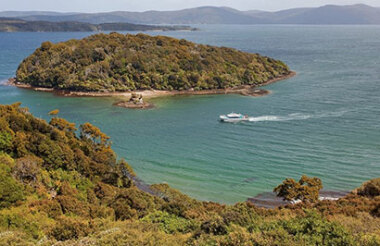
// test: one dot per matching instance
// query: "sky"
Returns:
(143, 5)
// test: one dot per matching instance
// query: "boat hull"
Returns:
(226, 119)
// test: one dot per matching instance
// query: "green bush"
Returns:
(170, 223)
(370, 188)
(5, 141)
(215, 225)
(70, 228)
(11, 191)
(313, 229)
(16, 220)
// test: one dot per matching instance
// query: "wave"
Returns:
(324, 61)
(295, 116)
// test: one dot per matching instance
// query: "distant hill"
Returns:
(14, 14)
(332, 14)
(279, 16)
(201, 15)
(329, 14)
(19, 25)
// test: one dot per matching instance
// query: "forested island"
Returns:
(118, 63)
(19, 25)
(63, 185)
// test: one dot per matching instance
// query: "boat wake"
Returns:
(295, 116)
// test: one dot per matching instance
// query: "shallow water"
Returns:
(323, 122)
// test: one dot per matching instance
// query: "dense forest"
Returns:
(117, 62)
(19, 25)
(64, 185)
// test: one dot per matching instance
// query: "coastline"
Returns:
(270, 200)
(245, 90)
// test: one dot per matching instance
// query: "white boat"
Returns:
(233, 117)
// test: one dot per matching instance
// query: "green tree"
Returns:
(88, 131)
(306, 189)
(5, 141)
(63, 124)
(10, 190)
(54, 112)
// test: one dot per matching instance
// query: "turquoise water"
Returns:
(323, 122)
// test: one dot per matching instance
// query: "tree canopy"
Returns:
(306, 189)
(117, 62)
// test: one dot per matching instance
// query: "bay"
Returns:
(324, 122)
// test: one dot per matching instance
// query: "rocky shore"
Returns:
(270, 200)
(245, 90)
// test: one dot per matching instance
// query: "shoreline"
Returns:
(270, 200)
(245, 90)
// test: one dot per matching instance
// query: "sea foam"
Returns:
(296, 116)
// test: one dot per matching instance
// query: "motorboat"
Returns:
(233, 117)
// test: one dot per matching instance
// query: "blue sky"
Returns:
(142, 5)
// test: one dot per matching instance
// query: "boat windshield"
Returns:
(233, 115)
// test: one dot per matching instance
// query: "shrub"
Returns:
(370, 188)
(70, 228)
(5, 141)
(52, 208)
(18, 218)
(10, 190)
(242, 214)
(215, 225)
(170, 223)
(71, 205)
(313, 229)
(137, 200)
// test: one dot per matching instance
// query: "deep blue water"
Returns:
(323, 122)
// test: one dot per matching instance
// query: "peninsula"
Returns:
(19, 25)
(117, 64)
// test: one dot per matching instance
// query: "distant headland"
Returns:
(20, 25)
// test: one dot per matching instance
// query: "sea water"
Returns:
(324, 122)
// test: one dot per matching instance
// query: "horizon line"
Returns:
(173, 10)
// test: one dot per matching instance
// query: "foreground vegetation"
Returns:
(116, 62)
(64, 186)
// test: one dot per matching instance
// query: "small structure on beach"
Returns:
(136, 98)
(136, 101)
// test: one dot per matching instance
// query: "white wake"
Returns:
(295, 116)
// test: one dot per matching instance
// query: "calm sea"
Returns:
(324, 122)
